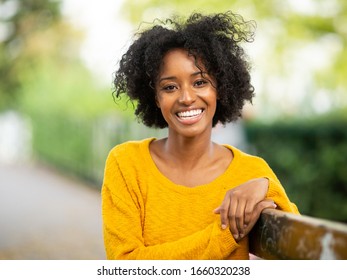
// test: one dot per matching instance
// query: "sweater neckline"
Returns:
(160, 176)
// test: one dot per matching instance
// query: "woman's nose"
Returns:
(187, 96)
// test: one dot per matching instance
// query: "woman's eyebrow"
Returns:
(175, 78)
(167, 78)
(198, 73)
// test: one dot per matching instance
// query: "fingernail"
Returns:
(224, 226)
(242, 235)
(244, 226)
(275, 205)
(236, 236)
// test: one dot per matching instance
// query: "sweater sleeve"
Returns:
(123, 224)
(277, 193)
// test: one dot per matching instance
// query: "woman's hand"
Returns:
(243, 205)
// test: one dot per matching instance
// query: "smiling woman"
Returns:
(185, 95)
(185, 196)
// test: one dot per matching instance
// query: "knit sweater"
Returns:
(147, 216)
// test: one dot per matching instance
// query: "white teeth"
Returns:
(189, 114)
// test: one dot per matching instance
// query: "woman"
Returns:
(184, 196)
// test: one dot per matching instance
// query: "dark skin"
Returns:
(184, 163)
(187, 98)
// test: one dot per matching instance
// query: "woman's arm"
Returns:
(242, 205)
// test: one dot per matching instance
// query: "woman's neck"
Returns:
(189, 152)
(190, 161)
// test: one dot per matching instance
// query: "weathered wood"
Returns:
(281, 235)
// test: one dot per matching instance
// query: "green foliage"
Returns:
(63, 143)
(310, 160)
(24, 23)
(79, 145)
(63, 88)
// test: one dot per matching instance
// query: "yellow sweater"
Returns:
(147, 216)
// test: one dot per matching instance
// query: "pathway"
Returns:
(46, 216)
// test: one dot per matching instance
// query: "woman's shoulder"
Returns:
(131, 147)
(246, 158)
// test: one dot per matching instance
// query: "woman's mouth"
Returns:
(190, 116)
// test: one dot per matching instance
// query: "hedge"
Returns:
(79, 146)
(310, 159)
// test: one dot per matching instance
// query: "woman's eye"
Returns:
(169, 88)
(200, 83)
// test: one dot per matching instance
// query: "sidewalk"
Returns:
(45, 216)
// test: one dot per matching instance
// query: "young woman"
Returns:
(184, 196)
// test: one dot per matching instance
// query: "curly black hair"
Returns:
(214, 39)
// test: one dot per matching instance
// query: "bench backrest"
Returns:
(281, 235)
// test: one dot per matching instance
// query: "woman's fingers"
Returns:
(223, 211)
(266, 203)
(227, 212)
(248, 214)
(233, 223)
(235, 213)
(242, 206)
(239, 217)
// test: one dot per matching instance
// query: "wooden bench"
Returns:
(281, 235)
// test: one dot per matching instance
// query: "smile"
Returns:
(190, 114)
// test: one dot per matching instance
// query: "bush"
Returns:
(310, 159)
(79, 145)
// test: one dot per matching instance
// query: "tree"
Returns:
(298, 54)
(32, 32)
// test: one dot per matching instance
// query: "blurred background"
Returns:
(58, 119)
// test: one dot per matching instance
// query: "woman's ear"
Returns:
(156, 101)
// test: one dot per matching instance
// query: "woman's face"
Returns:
(185, 94)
